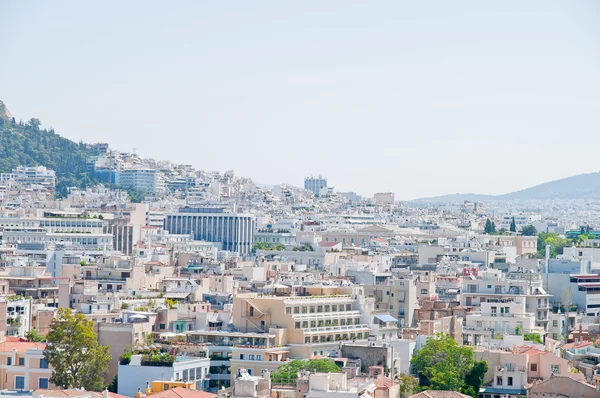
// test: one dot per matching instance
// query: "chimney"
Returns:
(105, 393)
(138, 394)
(148, 389)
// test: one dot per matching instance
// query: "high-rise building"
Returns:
(315, 184)
(235, 231)
(147, 180)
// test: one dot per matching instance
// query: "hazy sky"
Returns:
(418, 97)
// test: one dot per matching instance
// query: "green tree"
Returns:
(136, 195)
(444, 365)
(556, 242)
(78, 361)
(35, 336)
(170, 303)
(149, 339)
(408, 385)
(488, 226)
(533, 337)
(288, 373)
(113, 386)
(528, 230)
(34, 123)
(513, 225)
(475, 377)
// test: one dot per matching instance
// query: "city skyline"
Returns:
(397, 98)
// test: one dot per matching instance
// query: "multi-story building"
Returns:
(398, 296)
(140, 370)
(521, 220)
(235, 231)
(275, 237)
(497, 317)
(316, 321)
(148, 180)
(35, 175)
(22, 365)
(230, 351)
(493, 285)
(317, 185)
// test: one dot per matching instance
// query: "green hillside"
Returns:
(28, 145)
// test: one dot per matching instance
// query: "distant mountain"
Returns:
(28, 145)
(582, 186)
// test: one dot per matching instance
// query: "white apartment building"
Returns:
(521, 219)
(499, 316)
(36, 175)
(85, 240)
(493, 285)
(133, 376)
(18, 317)
(316, 184)
(147, 180)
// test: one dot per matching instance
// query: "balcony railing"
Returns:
(300, 300)
(510, 368)
(337, 329)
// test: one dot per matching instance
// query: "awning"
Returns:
(385, 318)
(452, 291)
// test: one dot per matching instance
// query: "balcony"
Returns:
(510, 368)
(337, 329)
(320, 300)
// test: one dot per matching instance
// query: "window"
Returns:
(242, 356)
(192, 375)
(555, 368)
(198, 373)
(9, 361)
(185, 375)
(43, 363)
(21, 361)
(555, 323)
(423, 291)
(510, 381)
(251, 357)
(20, 382)
(499, 380)
(43, 382)
(288, 310)
(165, 387)
(533, 367)
(162, 326)
(489, 286)
(259, 357)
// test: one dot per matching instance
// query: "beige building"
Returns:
(22, 365)
(119, 337)
(314, 322)
(563, 386)
(399, 297)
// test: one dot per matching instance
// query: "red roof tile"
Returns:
(180, 392)
(21, 346)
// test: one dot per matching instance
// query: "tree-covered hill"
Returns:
(28, 145)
